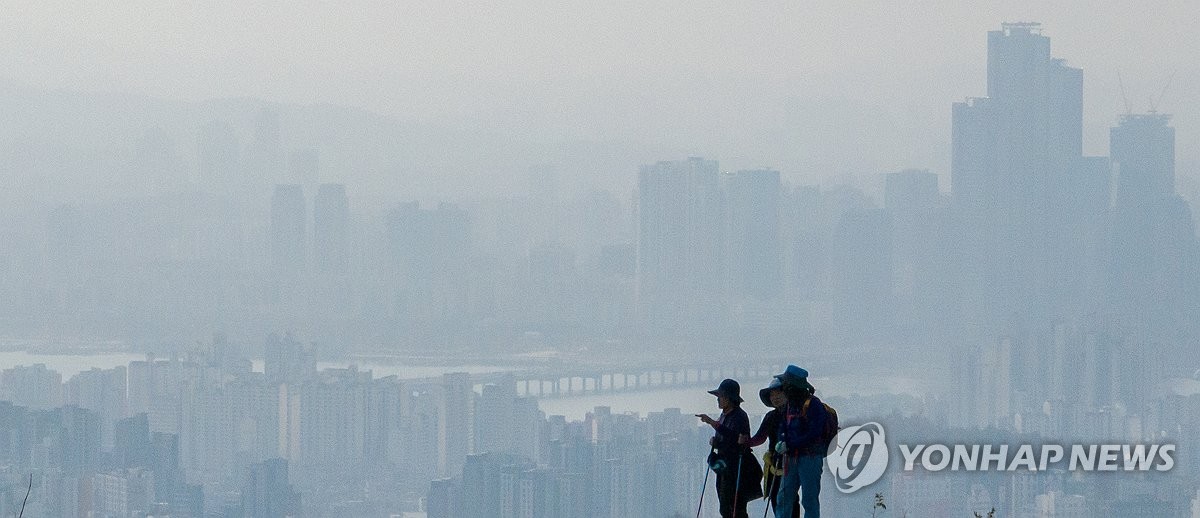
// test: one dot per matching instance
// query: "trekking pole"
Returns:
(702, 490)
(737, 485)
(770, 487)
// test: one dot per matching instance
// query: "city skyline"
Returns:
(1034, 289)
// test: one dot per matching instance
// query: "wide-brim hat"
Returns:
(793, 376)
(764, 395)
(730, 389)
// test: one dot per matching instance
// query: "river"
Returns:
(690, 400)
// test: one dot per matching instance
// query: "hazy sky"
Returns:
(797, 85)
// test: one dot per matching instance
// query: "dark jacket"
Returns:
(803, 429)
(768, 430)
(726, 448)
(729, 427)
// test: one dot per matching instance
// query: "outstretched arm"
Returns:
(761, 435)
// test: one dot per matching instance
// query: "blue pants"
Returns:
(802, 474)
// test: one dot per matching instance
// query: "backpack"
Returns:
(831, 423)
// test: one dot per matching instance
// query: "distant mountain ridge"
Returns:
(63, 146)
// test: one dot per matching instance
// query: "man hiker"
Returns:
(802, 445)
(768, 432)
(738, 472)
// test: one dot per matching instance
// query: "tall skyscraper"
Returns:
(679, 246)
(443, 499)
(164, 462)
(1154, 263)
(331, 212)
(1143, 149)
(267, 493)
(1017, 160)
(454, 423)
(752, 216)
(288, 217)
(131, 444)
(496, 429)
(333, 421)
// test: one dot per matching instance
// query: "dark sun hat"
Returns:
(764, 395)
(730, 389)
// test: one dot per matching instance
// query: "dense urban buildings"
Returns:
(1040, 294)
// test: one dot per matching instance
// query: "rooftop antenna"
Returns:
(1153, 103)
(1128, 110)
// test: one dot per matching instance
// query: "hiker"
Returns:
(732, 461)
(768, 432)
(802, 445)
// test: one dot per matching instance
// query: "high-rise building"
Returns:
(1016, 161)
(805, 246)
(679, 246)
(102, 391)
(752, 215)
(454, 422)
(286, 360)
(333, 421)
(76, 448)
(1155, 253)
(481, 489)
(496, 429)
(288, 217)
(442, 500)
(131, 444)
(34, 386)
(164, 462)
(267, 493)
(1142, 147)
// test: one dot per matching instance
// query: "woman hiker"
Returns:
(732, 461)
(801, 447)
(768, 431)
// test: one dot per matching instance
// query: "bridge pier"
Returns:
(632, 378)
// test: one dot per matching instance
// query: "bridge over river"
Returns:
(564, 379)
